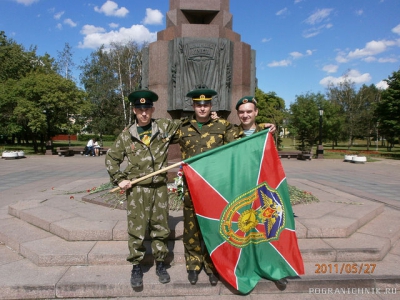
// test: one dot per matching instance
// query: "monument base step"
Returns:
(22, 279)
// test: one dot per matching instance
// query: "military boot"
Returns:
(193, 276)
(136, 276)
(162, 273)
(281, 284)
(213, 278)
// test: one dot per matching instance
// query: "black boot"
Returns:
(213, 278)
(136, 276)
(193, 276)
(162, 273)
(281, 284)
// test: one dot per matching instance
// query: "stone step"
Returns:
(36, 263)
(371, 242)
(86, 224)
(337, 215)
(54, 251)
(56, 233)
(44, 248)
(22, 279)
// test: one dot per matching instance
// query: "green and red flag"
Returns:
(241, 199)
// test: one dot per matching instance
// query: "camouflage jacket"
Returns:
(142, 159)
(239, 132)
(193, 140)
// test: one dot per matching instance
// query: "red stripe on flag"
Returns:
(226, 267)
(288, 248)
(206, 197)
(270, 161)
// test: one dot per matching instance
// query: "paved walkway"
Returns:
(377, 181)
(360, 203)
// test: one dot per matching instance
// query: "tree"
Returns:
(109, 76)
(271, 109)
(333, 123)
(43, 104)
(101, 85)
(351, 106)
(35, 102)
(15, 61)
(369, 97)
(304, 119)
(127, 63)
(388, 110)
(65, 62)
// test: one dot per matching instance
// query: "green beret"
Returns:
(247, 99)
(201, 96)
(143, 98)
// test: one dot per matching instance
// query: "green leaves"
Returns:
(388, 110)
(304, 119)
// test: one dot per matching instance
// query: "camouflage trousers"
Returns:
(196, 254)
(147, 207)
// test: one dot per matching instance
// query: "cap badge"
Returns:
(202, 97)
(245, 100)
(142, 100)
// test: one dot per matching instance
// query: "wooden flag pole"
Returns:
(150, 175)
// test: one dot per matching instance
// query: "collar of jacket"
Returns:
(193, 120)
(133, 129)
(241, 130)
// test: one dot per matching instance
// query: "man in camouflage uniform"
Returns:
(247, 112)
(196, 135)
(145, 145)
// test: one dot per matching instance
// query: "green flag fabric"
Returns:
(241, 199)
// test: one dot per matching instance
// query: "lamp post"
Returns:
(69, 129)
(320, 149)
(49, 142)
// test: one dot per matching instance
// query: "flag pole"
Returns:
(150, 175)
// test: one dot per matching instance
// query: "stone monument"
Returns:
(197, 49)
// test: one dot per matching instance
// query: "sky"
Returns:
(301, 46)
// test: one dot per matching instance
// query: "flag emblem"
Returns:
(254, 217)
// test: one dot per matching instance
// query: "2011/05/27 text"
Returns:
(345, 268)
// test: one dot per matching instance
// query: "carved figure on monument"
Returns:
(200, 63)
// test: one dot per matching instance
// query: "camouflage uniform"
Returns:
(239, 132)
(192, 141)
(147, 201)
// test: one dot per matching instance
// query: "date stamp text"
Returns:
(345, 268)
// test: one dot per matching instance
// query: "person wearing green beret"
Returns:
(197, 134)
(247, 112)
(145, 145)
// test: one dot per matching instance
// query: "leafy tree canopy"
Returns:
(388, 109)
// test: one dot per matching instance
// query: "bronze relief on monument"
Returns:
(195, 63)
